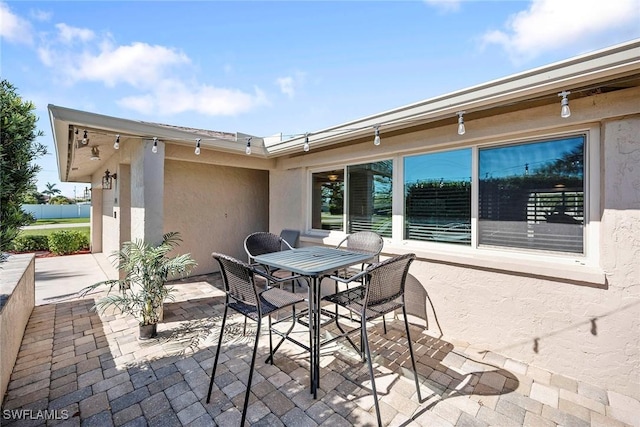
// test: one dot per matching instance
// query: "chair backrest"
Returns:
(263, 242)
(386, 280)
(363, 241)
(292, 237)
(237, 278)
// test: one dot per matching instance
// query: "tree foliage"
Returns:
(18, 150)
(51, 190)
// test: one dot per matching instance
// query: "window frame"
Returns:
(483, 255)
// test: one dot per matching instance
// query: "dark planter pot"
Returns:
(148, 331)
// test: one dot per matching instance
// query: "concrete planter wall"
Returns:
(17, 299)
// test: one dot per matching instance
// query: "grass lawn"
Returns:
(61, 221)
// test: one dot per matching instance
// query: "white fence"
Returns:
(58, 211)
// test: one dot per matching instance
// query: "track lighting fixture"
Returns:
(564, 109)
(461, 128)
(85, 138)
(154, 149)
(376, 140)
(197, 150)
(116, 145)
(248, 149)
(305, 147)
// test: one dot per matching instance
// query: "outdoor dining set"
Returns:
(365, 289)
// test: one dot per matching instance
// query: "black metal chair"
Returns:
(382, 292)
(263, 242)
(292, 237)
(243, 296)
(367, 242)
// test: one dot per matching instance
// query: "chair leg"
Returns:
(270, 342)
(215, 361)
(373, 380)
(286, 334)
(253, 364)
(413, 359)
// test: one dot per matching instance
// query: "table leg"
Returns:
(316, 331)
(311, 337)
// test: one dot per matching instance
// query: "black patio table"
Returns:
(314, 262)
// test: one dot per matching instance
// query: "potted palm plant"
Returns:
(143, 289)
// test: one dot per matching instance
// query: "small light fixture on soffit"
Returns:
(95, 153)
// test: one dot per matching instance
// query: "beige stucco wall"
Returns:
(576, 317)
(214, 208)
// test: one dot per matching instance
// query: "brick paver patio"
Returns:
(76, 367)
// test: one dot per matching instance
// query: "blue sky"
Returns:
(268, 67)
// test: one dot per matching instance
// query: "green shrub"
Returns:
(31, 243)
(67, 242)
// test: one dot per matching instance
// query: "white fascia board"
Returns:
(600, 66)
(61, 118)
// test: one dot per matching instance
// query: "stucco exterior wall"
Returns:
(214, 208)
(110, 222)
(573, 324)
(286, 204)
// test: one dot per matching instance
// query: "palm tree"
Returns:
(51, 190)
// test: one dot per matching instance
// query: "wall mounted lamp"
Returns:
(107, 180)
(248, 149)
(116, 145)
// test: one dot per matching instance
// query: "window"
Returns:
(369, 189)
(327, 200)
(438, 197)
(531, 195)
(368, 194)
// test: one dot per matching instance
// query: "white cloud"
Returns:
(159, 76)
(139, 64)
(553, 24)
(286, 86)
(14, 29)
(40, 15)
(173, 97)
(445, 5)
(69, 34)
(290, 84)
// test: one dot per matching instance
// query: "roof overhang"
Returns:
(580, 75)
(74, 158)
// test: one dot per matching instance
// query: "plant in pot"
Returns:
(143, 289)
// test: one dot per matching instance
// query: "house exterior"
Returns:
(526, 226)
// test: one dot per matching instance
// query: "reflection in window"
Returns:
(328, 200)
(369, 195)
(438, 197)
(532, 195)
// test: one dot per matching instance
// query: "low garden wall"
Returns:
(17, 299)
